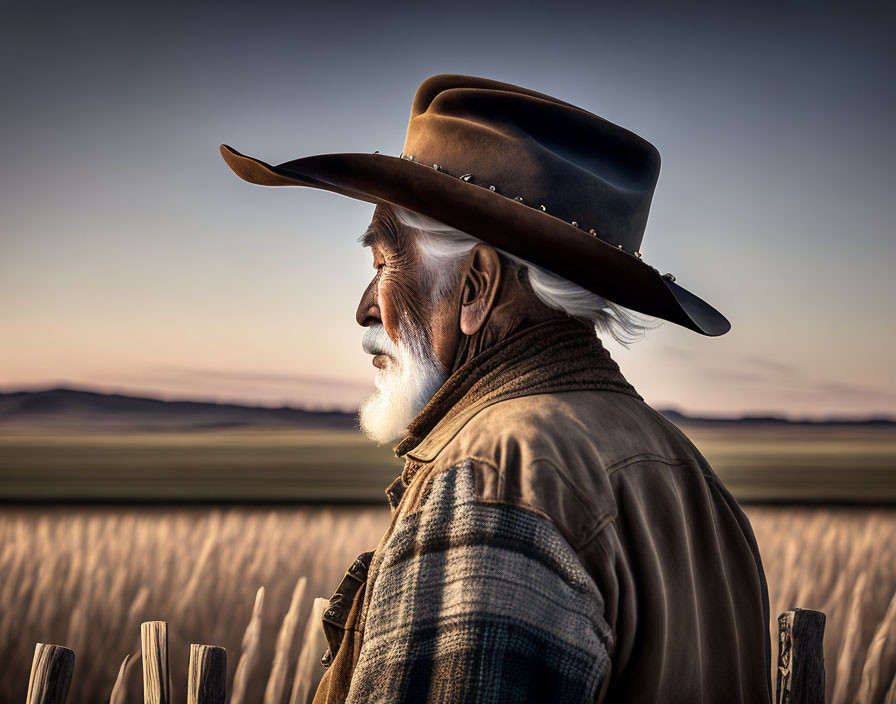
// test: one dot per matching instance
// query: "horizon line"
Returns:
(768, 415)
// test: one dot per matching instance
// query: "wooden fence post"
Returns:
(154, 646)
(800, 657)
(51, 674)
(208, 675)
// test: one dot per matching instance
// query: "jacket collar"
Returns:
(557, 355)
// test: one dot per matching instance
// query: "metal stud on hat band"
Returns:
(468, 178)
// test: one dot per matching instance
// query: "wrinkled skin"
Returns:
(491, 301)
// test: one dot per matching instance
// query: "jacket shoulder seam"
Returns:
(625, 462)
(587, 534)
(606, 519)
(600, 520)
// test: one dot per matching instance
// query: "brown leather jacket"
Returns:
(669, 549)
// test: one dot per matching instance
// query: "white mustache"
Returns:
(403, 386)
(376, 341)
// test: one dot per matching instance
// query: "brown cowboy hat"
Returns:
(525, 172)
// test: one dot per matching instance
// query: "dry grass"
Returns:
(87, 576)
(842, 562)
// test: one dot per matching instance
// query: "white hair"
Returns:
(441, 248)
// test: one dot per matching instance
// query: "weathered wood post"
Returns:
(208, 675)
(51, 674)
(154, 646)
(800, 657)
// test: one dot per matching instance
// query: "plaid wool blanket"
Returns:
(479, 602)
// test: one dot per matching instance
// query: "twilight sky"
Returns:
(132, 259)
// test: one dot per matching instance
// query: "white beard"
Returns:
(411, 376)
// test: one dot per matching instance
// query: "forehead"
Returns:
(385, 231)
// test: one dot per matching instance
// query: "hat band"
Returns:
(470, 178)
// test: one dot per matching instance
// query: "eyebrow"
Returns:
(382, 230)
(371, 236)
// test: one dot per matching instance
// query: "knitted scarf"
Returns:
(557, 355)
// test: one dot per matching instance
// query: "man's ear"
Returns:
(481, 284)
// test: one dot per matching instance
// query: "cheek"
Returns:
(398, 298)
(389, 309)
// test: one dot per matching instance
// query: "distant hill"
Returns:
(66, 410)
(681, 419)
(81, 411)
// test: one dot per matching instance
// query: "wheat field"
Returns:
(87, 576)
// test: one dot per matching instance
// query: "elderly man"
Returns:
(553, 538)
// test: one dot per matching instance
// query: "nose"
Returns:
(368, 312)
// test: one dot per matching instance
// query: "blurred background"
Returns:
(179, 360)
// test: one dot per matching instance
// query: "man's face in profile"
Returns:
(397, 316)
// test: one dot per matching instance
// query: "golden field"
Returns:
(87, 576)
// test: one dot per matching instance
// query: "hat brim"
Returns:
(529, 233)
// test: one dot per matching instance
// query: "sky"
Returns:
(132, 259)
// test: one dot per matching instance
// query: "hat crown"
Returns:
(544, 152)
